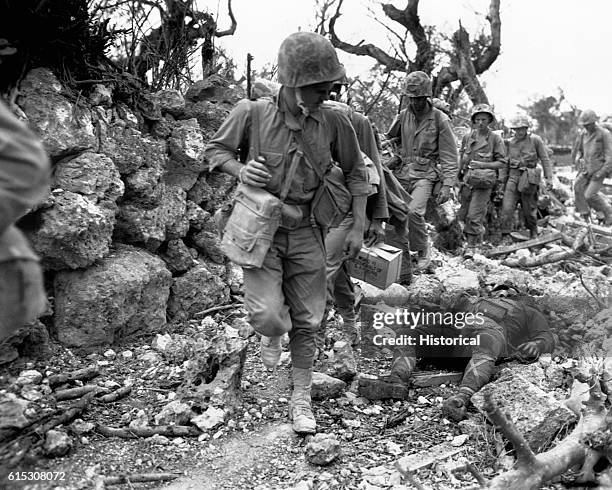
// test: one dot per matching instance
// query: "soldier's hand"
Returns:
(394, 162)
(352, 243)
(255, 173)
(455, 408)
(475, 164)
(375, 234)
(444, 194)
(530, 349)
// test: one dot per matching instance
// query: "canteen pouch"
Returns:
(250, 229)
(332, 200)
(529, 176)
(481, 178)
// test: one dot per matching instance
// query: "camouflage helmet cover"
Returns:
(520, 121)
(307, 58)
(482, 108)
(587, 117)
(417, 84)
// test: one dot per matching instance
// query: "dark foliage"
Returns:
(57, 34)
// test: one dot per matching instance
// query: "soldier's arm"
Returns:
(223, 149)
(542, 153)
(367, 141)
(447, 149)
(24, 169)
(538, 330)
(607, 150)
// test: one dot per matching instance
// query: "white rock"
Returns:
(459, 440)
(110, 354)
(210, 419)
(29, 377)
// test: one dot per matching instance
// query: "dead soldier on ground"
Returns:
(290, 140)
(502, 328)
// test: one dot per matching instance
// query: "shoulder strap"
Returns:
(308, 153)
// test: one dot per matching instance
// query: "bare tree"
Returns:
(464, 60)
(168, 50)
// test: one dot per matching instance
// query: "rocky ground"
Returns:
(238, 433)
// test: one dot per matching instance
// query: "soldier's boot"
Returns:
(455, 407)
(300, 410)
(424, 257)
(271, 349)
(533, 233)
(395, 385)
(472, 246)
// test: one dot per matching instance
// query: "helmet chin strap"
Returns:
(300, 102)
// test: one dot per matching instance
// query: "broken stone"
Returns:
(80, 427)
(57, 443)
(322, 449)
(211, 418)
(394, 295)
(538, 415)
(424, 459)
(12, 412)
(29, 377)
(325, 387)
(344, 364)
(31, 393)
(459, 440)
(214, 372)
(381, 477)
(174, 413)
(456, 278)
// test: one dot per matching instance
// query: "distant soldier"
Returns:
(525, 151)
(593, 157)
(428, 157)
(482, 166)
(24, 179)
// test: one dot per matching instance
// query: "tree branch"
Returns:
(363, 49)
(490, 54)
(232, 29)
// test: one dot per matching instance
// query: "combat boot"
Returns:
(300, 410)
(424, 257)
(455, 407)
(393, 386)
(472, 247)
(271, 350)
(533, 233)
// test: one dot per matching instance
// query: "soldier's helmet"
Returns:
(587, 117)
(482, 109)
(417, 84)
(307, 58)
(519, 121)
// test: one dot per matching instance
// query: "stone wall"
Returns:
(126, 235)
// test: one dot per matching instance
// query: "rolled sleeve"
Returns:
(231, 137)
(24, 169)
(607, 151)
(447, 150)
(346, 151)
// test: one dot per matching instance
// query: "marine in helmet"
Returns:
(287, 294)
(525, 151)
(593, 157)
(482, 167)
(428, 163)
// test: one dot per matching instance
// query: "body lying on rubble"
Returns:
(501, 329)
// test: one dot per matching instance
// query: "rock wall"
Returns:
(126, 235)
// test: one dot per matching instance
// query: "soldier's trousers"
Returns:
(288, 291)
(479, 360)
(473, 210)
(22, 295)
(420, 190)
(529, 204)
(587, 195)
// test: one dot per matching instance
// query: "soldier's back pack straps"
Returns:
(493, 309)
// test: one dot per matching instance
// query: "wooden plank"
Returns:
(534, 242)
(602, 230)
(422, 380)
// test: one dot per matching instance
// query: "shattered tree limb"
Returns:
(540, 260)
(533, 470)
(103, 482)
(162, 430)
(534, 242)
(79, 375)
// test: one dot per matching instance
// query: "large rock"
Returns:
(130, 150)
(151, 227)
(143, 187)
(93, 176)
(325, 387)
(195, 291)
(538, 415)
(456, 278)
(31, 340)
(178, 257)
(214, 88)
(170, 101)
(65, 128)
(73, 232)
(124, 293)
(394, 295)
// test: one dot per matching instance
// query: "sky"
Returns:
(546, 44)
